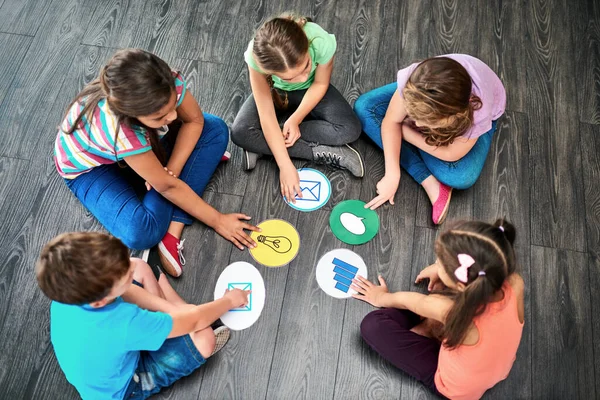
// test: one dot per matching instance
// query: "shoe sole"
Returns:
(222, 335)
(362, 166)
(169, 264)
(445, 210)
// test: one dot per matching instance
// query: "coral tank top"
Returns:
(466, 372)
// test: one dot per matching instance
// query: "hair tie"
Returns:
(462, 272)
(481, 273)
(501, 228)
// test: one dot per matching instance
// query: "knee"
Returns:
(370, 325)
(204, 341)
(360, 106)
(460, 181)
(215, 130)
(142, 239)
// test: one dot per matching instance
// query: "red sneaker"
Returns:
(440, 207)
(170, 251)
(226, 156)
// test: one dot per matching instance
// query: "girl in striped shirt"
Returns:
(138, 114)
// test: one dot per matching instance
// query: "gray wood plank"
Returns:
(594, 273)
(14, 48)
(156, 26)
(562, 332)
(586, 33)
(501, 46)
(22, 16)
(36, 86)
(243, 374)
(590, 149)
(498, 193)
(556, 183)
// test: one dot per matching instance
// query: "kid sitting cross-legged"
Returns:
(114, 339)
(479, 317)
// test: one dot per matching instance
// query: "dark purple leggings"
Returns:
(387, 331)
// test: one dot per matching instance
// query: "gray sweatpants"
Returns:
(332, 122)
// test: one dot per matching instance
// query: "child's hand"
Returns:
(237, 297)
(369, 292)
(231, 227)
(431, 273)
(291, 132)
(290, 183)
(386, 190)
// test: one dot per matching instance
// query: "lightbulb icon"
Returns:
(279, 244)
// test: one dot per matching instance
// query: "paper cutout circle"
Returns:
(352, 223)
(245, 276)
(335, 271)
(316, 190)
(277, 244)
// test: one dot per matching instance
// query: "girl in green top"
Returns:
(294, 111)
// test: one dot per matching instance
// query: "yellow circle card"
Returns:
(277, 244)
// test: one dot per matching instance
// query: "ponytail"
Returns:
(491, 259)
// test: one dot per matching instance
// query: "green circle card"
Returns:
(352, 223)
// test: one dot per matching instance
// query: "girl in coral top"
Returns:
(463, 339)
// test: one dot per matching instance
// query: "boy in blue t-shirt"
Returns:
(114, 339)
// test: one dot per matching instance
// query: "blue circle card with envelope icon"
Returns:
(315, 188)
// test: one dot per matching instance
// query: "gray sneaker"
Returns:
(249, 160)
(344, 157)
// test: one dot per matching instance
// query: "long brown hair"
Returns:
(280, 44)
(134, 83)
(81, 267)
(441, 88)
(491, 246)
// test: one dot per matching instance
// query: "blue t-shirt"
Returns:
(98, 348)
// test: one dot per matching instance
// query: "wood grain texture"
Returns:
(590, 150)
(36, 86)
(22, 16)
(556, 183)
(586, 33)
(561, 333)
(501, 46)
(497, 194)
(157, 26)
(13, 48)
(594, 273)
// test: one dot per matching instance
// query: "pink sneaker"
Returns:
(440, 207)
(226, 156)
(170, 251)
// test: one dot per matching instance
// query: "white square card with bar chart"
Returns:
(335, 271)
(315, 188)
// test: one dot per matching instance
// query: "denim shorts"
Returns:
(177, 357)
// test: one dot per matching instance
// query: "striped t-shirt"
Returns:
(93, 144)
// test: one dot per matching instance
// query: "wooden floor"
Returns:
(540, 174)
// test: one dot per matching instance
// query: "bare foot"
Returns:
(432, 188)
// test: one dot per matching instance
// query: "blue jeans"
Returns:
(462, 174)
(176, 358)
(110, 196)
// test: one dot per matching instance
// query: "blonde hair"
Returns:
(441, 88)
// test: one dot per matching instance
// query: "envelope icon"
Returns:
(311, 190)
(242, 286)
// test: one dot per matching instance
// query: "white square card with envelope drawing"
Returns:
(315, 189)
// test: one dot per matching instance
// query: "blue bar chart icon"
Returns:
(344, 273)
